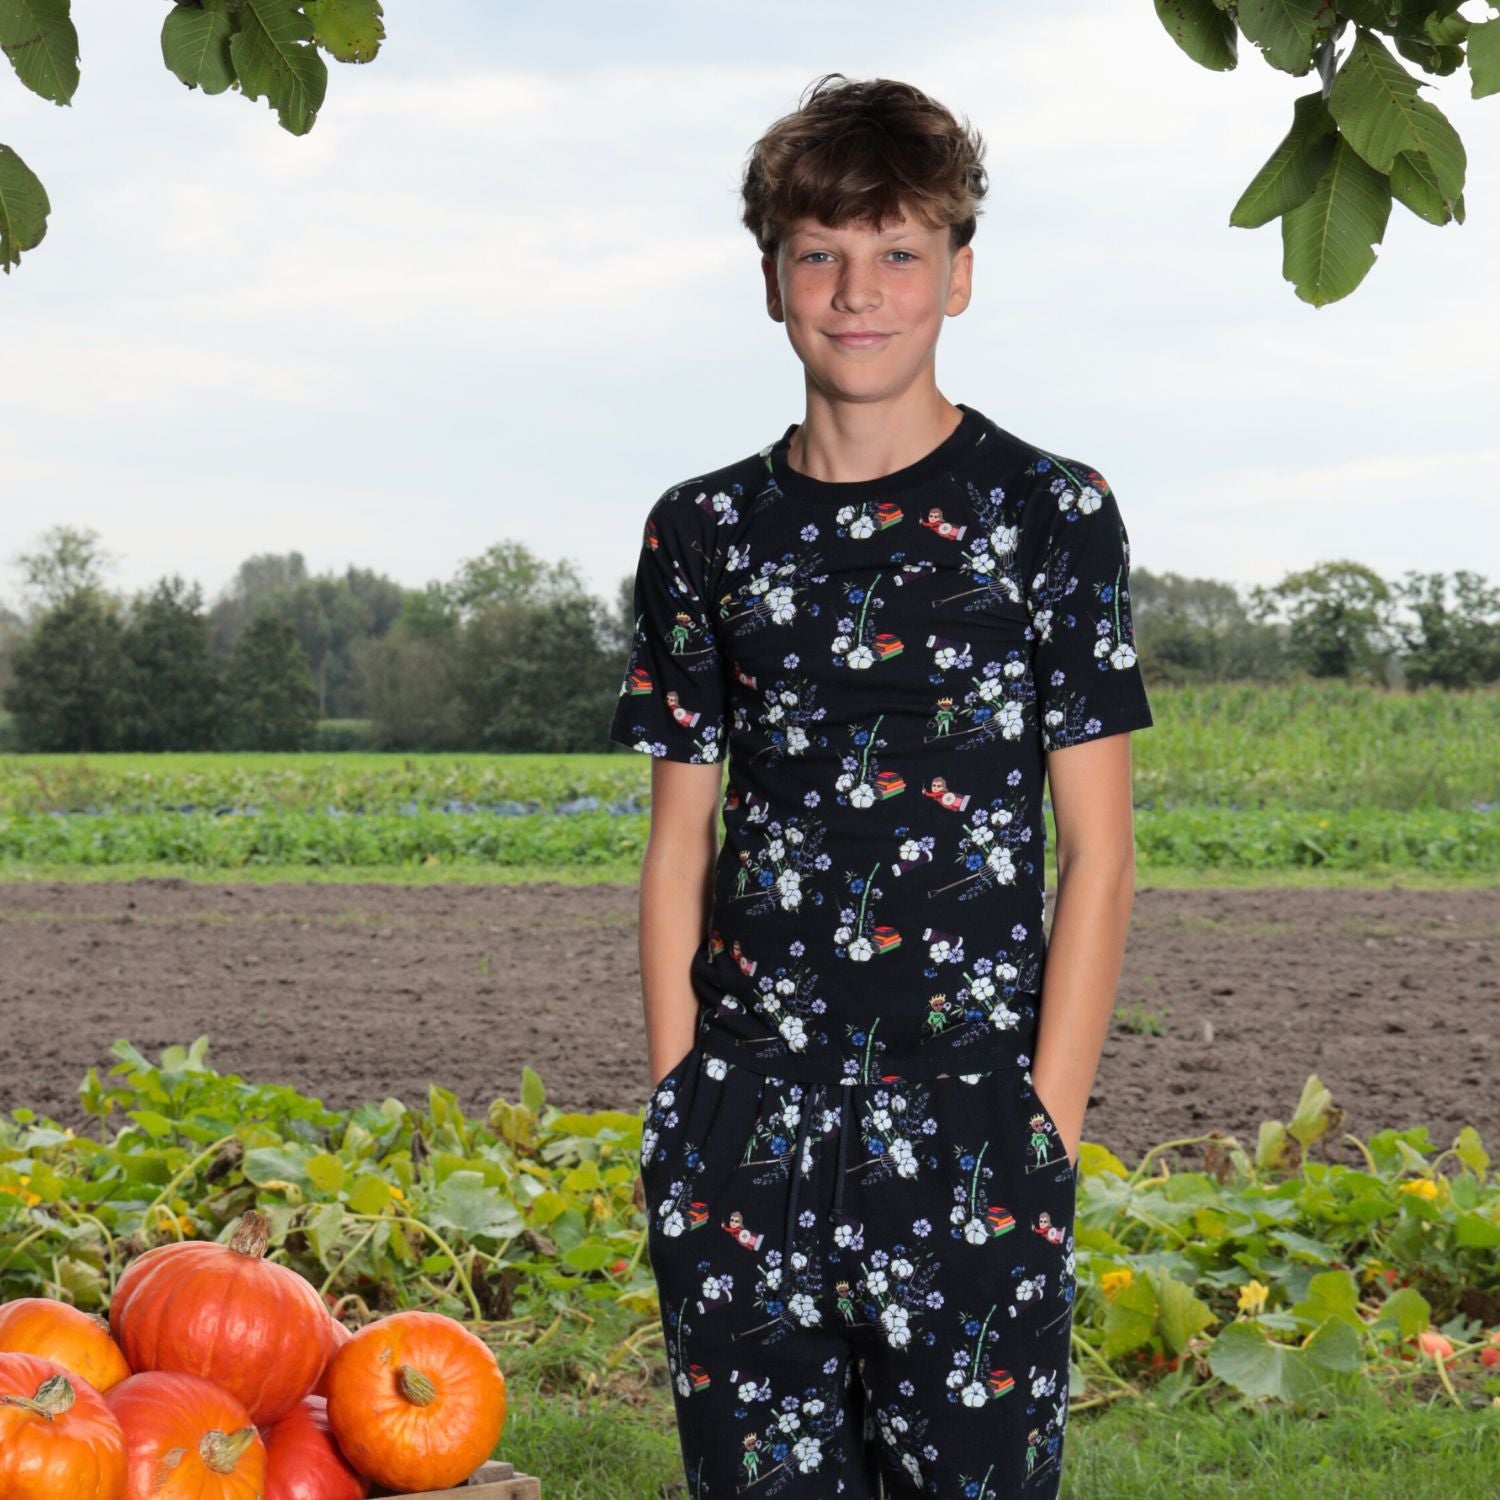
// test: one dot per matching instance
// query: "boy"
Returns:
(895, 622)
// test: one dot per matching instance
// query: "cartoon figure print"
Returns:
(935, 523)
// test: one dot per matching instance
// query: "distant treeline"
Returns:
(515, 654)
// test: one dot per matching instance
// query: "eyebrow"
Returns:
(906, 231)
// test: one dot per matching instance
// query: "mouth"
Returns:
(860, 340)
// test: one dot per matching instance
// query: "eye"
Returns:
(906, 253)
(811, 253)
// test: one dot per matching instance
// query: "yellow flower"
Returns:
(397, 1193)
(1112, 1282)
(1421, 1187)
(29, 1199)
(1252, 1298)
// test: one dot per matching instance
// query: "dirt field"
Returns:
(354, 992)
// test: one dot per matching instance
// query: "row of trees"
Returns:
(515, 654)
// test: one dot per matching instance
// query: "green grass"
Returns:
(622, 1443)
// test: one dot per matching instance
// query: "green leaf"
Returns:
(266, 1164)
(467, 1203)
(1290, 174)
(326, 1172)
(1286, 31)
(323, 1229)
(1330, 1294)
(1470, 1151)
(39, 38)
(151, 1122)
(195, 46)
(1406, 1310)
(1243, 1357)
(1311, 1118)
(1476, 1232)
(1380, 113)
(533, 1094)
(1327, 242)
(352, 30)
(589, 1256)
(370, 1194)
(275, 60)
(1484, 58)
(1202, 30)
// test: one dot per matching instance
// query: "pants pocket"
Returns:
(666, 1113)
(1044, 1142)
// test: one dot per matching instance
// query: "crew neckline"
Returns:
(954, 448)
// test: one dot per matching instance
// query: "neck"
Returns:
(843, 441)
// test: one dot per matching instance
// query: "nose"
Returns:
(858, 289)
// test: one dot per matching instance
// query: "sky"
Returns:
(501, 292)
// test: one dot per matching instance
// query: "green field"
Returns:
(1314, 783)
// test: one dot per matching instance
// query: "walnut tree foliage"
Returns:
(1364, 136)
(263, 49)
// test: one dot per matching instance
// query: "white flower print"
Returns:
(1089, 500)
(805, 1310)
(1123, 656)
(863, 795)
(896, 1321)
(861, 657)
(974, 1394)
(808, 1452)
(861, 950)
(783, 606)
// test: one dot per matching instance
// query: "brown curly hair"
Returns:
(864, 152)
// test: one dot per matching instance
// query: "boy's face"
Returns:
(900, 282)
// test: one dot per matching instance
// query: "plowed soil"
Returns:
(1391, 996)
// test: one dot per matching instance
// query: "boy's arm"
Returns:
(676, 899)
(1091, 806)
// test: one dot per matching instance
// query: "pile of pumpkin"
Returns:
(222, 1375)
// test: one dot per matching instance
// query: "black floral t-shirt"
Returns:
(884, 663)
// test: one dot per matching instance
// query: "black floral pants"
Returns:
(866, 1287)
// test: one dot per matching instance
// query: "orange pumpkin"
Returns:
(341, 1336)
(57, 1434)
(304, 1460)
(416, 1401)
(77, 1340)
(186, 1439)
(254, 1327)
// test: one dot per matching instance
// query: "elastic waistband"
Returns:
(968, 1048)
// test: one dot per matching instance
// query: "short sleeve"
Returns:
(1088, 679)
(673, 698)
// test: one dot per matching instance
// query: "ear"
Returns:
(960, 281)
(773, 288)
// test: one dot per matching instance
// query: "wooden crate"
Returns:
(494, 1481)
